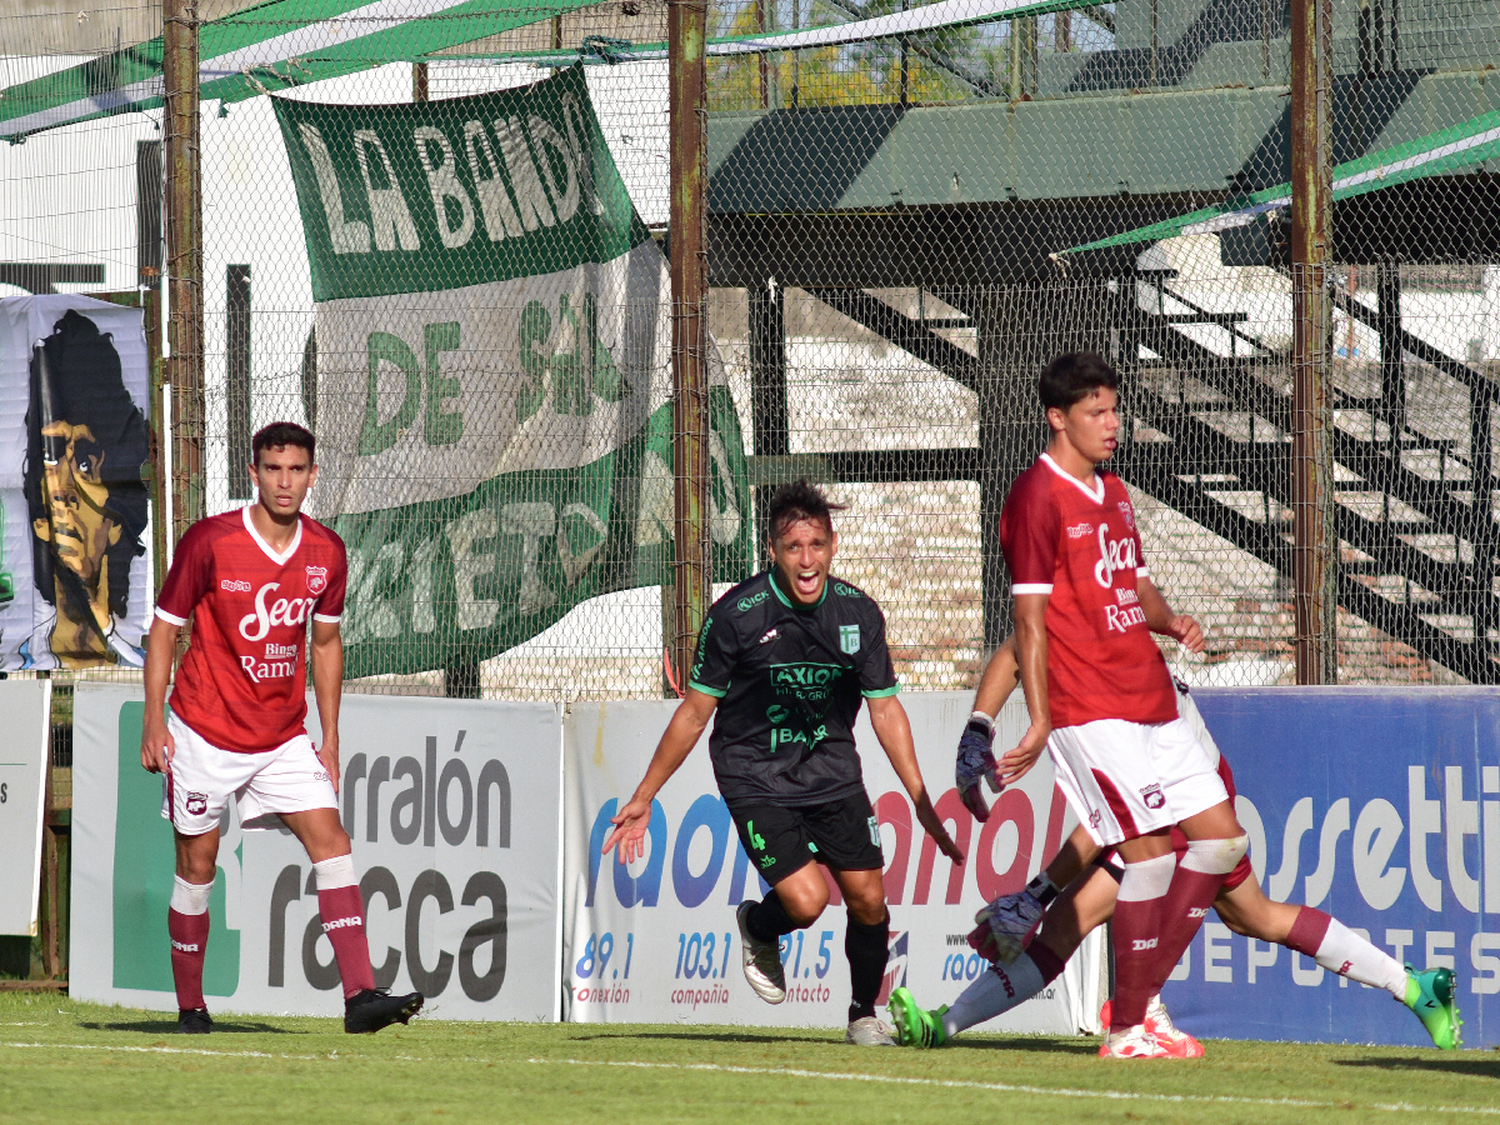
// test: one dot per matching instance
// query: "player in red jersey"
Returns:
(1100, 697)
(1022, 965)
(252, 580)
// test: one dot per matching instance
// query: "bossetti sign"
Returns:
(494, 371)
(453, 809)
(1382, 807)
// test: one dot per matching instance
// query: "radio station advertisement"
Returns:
(657, 942)
(454, 808)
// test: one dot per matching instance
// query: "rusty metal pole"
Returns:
(184, 222)
(687, 22)
(1315, 550)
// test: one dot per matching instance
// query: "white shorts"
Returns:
(203, 777)
(1126, 779)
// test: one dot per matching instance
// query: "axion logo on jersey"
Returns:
(1079, 530)
(810, 683)
(1114, 554)
(234, 585)
(317, 579)
(283, 611)
(1152, 797)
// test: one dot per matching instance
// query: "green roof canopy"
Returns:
(1455, 149)
(268, 47)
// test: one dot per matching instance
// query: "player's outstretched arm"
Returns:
(328, 688)
(1001, 677)
(893, 729)
(677, 741)
(161, 649)
(1160, 618)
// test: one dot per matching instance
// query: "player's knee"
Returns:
(1215, 857)
(803, 900)
(867, 912)
(804, 913)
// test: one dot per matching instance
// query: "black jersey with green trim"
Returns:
(789, 680)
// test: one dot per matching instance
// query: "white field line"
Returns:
(331, 1056)
(827, 1075)
(1010, 1088)
(162, 1050)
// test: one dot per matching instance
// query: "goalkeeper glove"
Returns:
(976, 762)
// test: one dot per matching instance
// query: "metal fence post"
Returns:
(687, 22)
(184, 221)
(1315, 552)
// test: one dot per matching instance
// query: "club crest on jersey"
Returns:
(849, 638)
(1127, 513)
(317, 579)
(1152, 797)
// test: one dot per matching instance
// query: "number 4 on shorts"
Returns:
(757, 841)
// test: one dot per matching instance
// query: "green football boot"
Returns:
(916, 1027)
(1430, 995)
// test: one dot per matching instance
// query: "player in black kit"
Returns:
(785, 658)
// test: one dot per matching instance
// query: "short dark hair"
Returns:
(799, 501)
(1073, 377)
(280, 434)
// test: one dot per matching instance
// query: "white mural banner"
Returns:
(75, 574)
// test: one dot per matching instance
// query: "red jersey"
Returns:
(1078, 544)
(243, 683)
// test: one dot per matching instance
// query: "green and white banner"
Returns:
(494, 410)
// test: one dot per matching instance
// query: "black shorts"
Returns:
(843, 835)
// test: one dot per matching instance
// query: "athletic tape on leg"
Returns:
(1214, 857)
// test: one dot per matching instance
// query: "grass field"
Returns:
(62, 1061)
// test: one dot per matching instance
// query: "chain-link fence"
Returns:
(910, 208)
